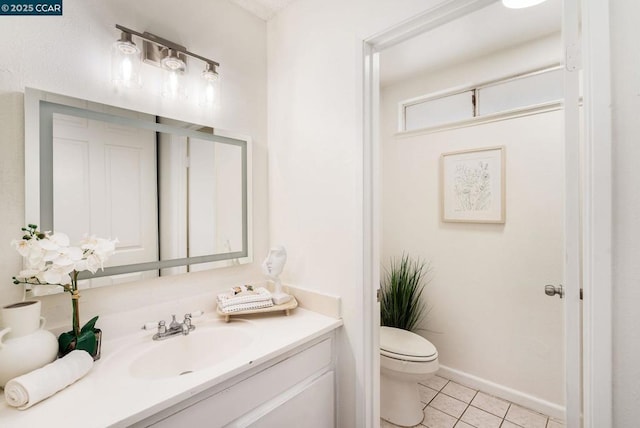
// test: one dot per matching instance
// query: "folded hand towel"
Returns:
(259, 294)
(26, 390)
(247, 306)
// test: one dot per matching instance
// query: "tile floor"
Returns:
(449, 404)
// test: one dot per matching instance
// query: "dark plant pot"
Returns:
(89, 341)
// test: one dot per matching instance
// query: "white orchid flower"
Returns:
(28, 274)
(22, 246)
(59, 239)
(50, 260)
(55, 275)
(93, 263)
(102, 247)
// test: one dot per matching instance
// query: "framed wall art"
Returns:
(473, 185)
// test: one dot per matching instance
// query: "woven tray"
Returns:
(285, 307)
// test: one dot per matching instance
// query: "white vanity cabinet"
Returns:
(292, 390)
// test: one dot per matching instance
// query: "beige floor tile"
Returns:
(461, 424)
(435, 382)
(525, 418)
(555, 424)
(460, 392)
(480, 419)
(434, 418)
(449, 405)
(507, 424)
(426, 394)
(490, 404)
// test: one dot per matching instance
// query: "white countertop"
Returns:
(110, 396)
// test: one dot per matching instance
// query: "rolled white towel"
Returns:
(26, 390)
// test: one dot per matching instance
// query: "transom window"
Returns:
(536, 89)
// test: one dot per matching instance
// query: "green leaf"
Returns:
(65, 340)
(86, 341)
(401, 304)
(89, 326)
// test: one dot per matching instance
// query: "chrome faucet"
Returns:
(175, 328)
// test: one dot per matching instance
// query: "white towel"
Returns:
(247, 306)
(26, 390)
(259, 294)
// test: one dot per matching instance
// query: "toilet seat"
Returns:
(405, 346)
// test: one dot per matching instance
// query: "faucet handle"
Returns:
(187, 320)
(174, 324)
(162, 327)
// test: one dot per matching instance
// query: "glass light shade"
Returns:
(125, 63)
(210, 93)
(172, 87)
(210, 87)
(520, 4)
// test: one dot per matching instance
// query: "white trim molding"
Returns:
(597, 217)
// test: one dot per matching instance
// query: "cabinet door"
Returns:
(312, 407)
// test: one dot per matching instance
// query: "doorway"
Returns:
(374, 183)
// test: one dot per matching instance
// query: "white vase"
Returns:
(24, 344)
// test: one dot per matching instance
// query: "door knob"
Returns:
(552, 290)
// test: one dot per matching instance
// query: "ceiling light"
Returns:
(520, 4)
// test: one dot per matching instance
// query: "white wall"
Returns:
(625, 66)
(71, 55)
(315, 156)
(489, 316)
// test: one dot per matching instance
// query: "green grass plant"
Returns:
(401, 288)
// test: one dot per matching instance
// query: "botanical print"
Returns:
(472, 186)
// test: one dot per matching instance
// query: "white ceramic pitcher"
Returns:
(24, 344)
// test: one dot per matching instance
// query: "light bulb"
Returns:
(171, 86)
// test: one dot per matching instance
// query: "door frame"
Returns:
(591, 166)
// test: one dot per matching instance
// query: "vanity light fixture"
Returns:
(162, 53)
(520, 4)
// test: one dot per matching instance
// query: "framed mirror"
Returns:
(176, 195)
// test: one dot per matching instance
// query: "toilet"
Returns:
(405, 359)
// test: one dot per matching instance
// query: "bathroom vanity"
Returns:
(255, 372)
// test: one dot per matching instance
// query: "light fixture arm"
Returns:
(166, 43)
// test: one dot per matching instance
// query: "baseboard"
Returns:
(518, 397)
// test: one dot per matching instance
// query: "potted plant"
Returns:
(51, 261)
(401, 304)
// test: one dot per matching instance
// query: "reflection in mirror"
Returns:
(174, 194)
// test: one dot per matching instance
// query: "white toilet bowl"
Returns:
(405, 359)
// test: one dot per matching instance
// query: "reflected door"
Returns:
(105, 177)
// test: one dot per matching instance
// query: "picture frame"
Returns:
(472, 185)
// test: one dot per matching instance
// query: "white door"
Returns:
(105, 176)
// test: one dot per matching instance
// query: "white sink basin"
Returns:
(204, 347)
